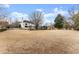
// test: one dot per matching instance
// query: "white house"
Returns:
(25, 24)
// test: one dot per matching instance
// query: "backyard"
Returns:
(39, 41)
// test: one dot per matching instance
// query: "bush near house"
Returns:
(1, 30)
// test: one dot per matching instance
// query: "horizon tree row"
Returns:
(60, 22)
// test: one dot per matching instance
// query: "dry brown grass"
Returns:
(41, 41)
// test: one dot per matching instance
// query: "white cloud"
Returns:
(40, 10)
(60, 11)
(19, 16)
(49, 17)
(5, 5)
(55, 10)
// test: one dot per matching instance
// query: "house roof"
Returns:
(28, 21)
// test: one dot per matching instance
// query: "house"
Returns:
(25, 24)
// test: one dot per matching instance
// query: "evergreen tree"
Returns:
(59, 21)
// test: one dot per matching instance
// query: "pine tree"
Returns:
(59, 21)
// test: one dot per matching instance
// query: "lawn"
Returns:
(40, 41)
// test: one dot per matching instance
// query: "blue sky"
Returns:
(27, 8)
(50, 10)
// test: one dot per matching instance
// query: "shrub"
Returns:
(3, 29)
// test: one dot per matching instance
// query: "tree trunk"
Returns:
(36, 27)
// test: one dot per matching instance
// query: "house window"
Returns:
(25, 26)
(25, 23)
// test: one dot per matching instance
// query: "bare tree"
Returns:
(37, 19)
(16, 24)
(72, 12)
(3, 17)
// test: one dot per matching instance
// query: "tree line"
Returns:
(60, 22)
(37, 18)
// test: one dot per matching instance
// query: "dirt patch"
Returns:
(41, 41)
